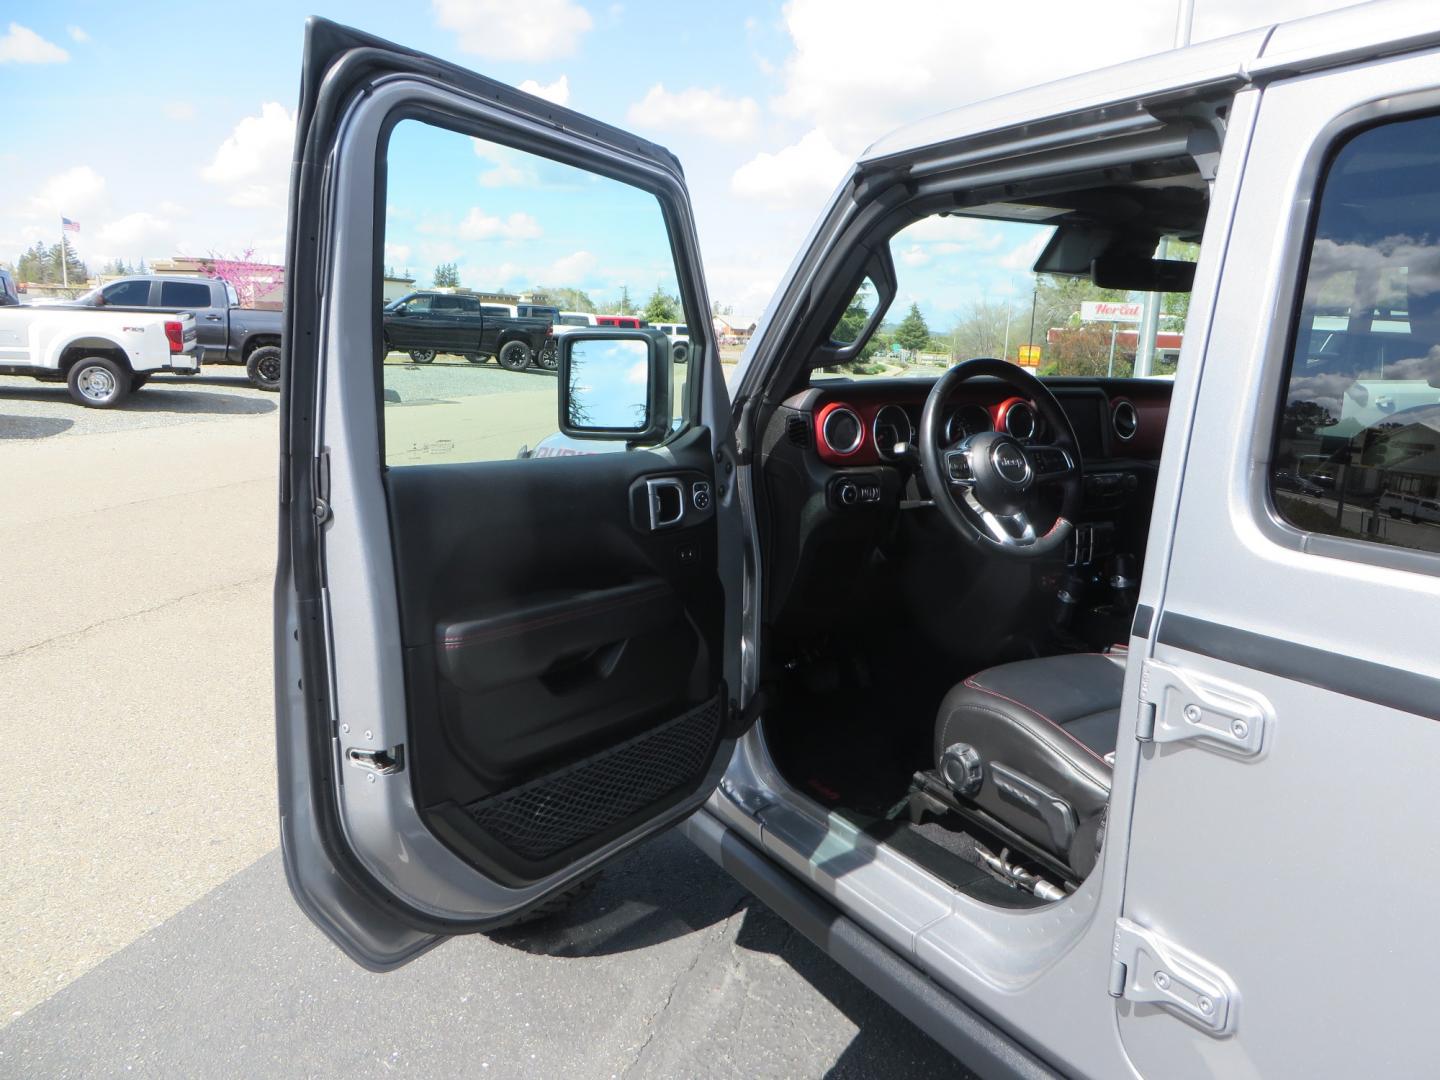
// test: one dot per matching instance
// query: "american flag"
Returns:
(68, 225)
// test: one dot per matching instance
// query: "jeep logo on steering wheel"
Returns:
(1010, 464)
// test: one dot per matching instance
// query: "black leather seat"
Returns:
(1032, 743)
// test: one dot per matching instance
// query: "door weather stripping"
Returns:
(1176, 705)
(383, 762)
(1147, 969)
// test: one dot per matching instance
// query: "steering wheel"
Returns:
(987, 486)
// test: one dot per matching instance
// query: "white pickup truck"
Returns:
(100, 355)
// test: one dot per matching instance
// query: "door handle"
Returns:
(212, 318)
(666, 498)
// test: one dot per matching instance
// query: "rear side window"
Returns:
(127, 294)
(1357, 449)
(184, 294)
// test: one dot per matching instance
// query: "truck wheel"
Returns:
(98, 382)
(549, 358)
(514, 356)
(263, 367)
(422, 356)
(475, 357)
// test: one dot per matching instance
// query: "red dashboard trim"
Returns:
(864, 452)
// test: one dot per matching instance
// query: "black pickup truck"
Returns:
(226, 333)
(426, 323)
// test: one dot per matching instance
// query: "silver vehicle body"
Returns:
(1242, 921)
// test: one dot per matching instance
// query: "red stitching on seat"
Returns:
(973, 685)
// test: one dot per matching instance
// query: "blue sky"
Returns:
(166, 128)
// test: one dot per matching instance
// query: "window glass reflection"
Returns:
(1358, 447)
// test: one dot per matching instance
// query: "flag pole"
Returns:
(64, 262)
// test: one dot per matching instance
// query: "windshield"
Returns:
(966, 288)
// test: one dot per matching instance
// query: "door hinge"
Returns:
(1177, 705)
(1148, 969)
(321, 508)
(383, 762)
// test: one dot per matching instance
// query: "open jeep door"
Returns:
(500, 660)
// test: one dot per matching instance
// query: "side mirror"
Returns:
(615, 384)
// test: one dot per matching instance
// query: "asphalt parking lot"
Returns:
(145, 926)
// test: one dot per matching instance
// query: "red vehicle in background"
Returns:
(625, 322)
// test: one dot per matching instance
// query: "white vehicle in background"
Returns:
(100, 355)
(679, 335)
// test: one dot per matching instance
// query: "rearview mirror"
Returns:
(1142, 275)
(615, 384)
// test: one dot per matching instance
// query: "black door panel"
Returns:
(556, 637)
(542, 657)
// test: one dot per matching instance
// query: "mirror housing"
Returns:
(615, 384)
(1143, 275)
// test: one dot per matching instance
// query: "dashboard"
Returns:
(839, 485)
(863, 423)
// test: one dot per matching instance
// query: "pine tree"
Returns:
(912, 333)
(661, 307)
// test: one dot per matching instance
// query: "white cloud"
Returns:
(572, 268)
(803, 172)
(481, 226)
(914, 255)
(557, 92)
(180, 110)
(1023, 257)
(708, 112)
(511, 168)
(397, 255)
(856, 103)
(254, 162)
(503, 30)
(77, 34)
(23, 46)
(1216, 18)
(71, 193)
(135, 234)
(439, 251)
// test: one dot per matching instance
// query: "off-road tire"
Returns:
(98, 382)
(514, 356)
(422, 356)
(263, 367)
